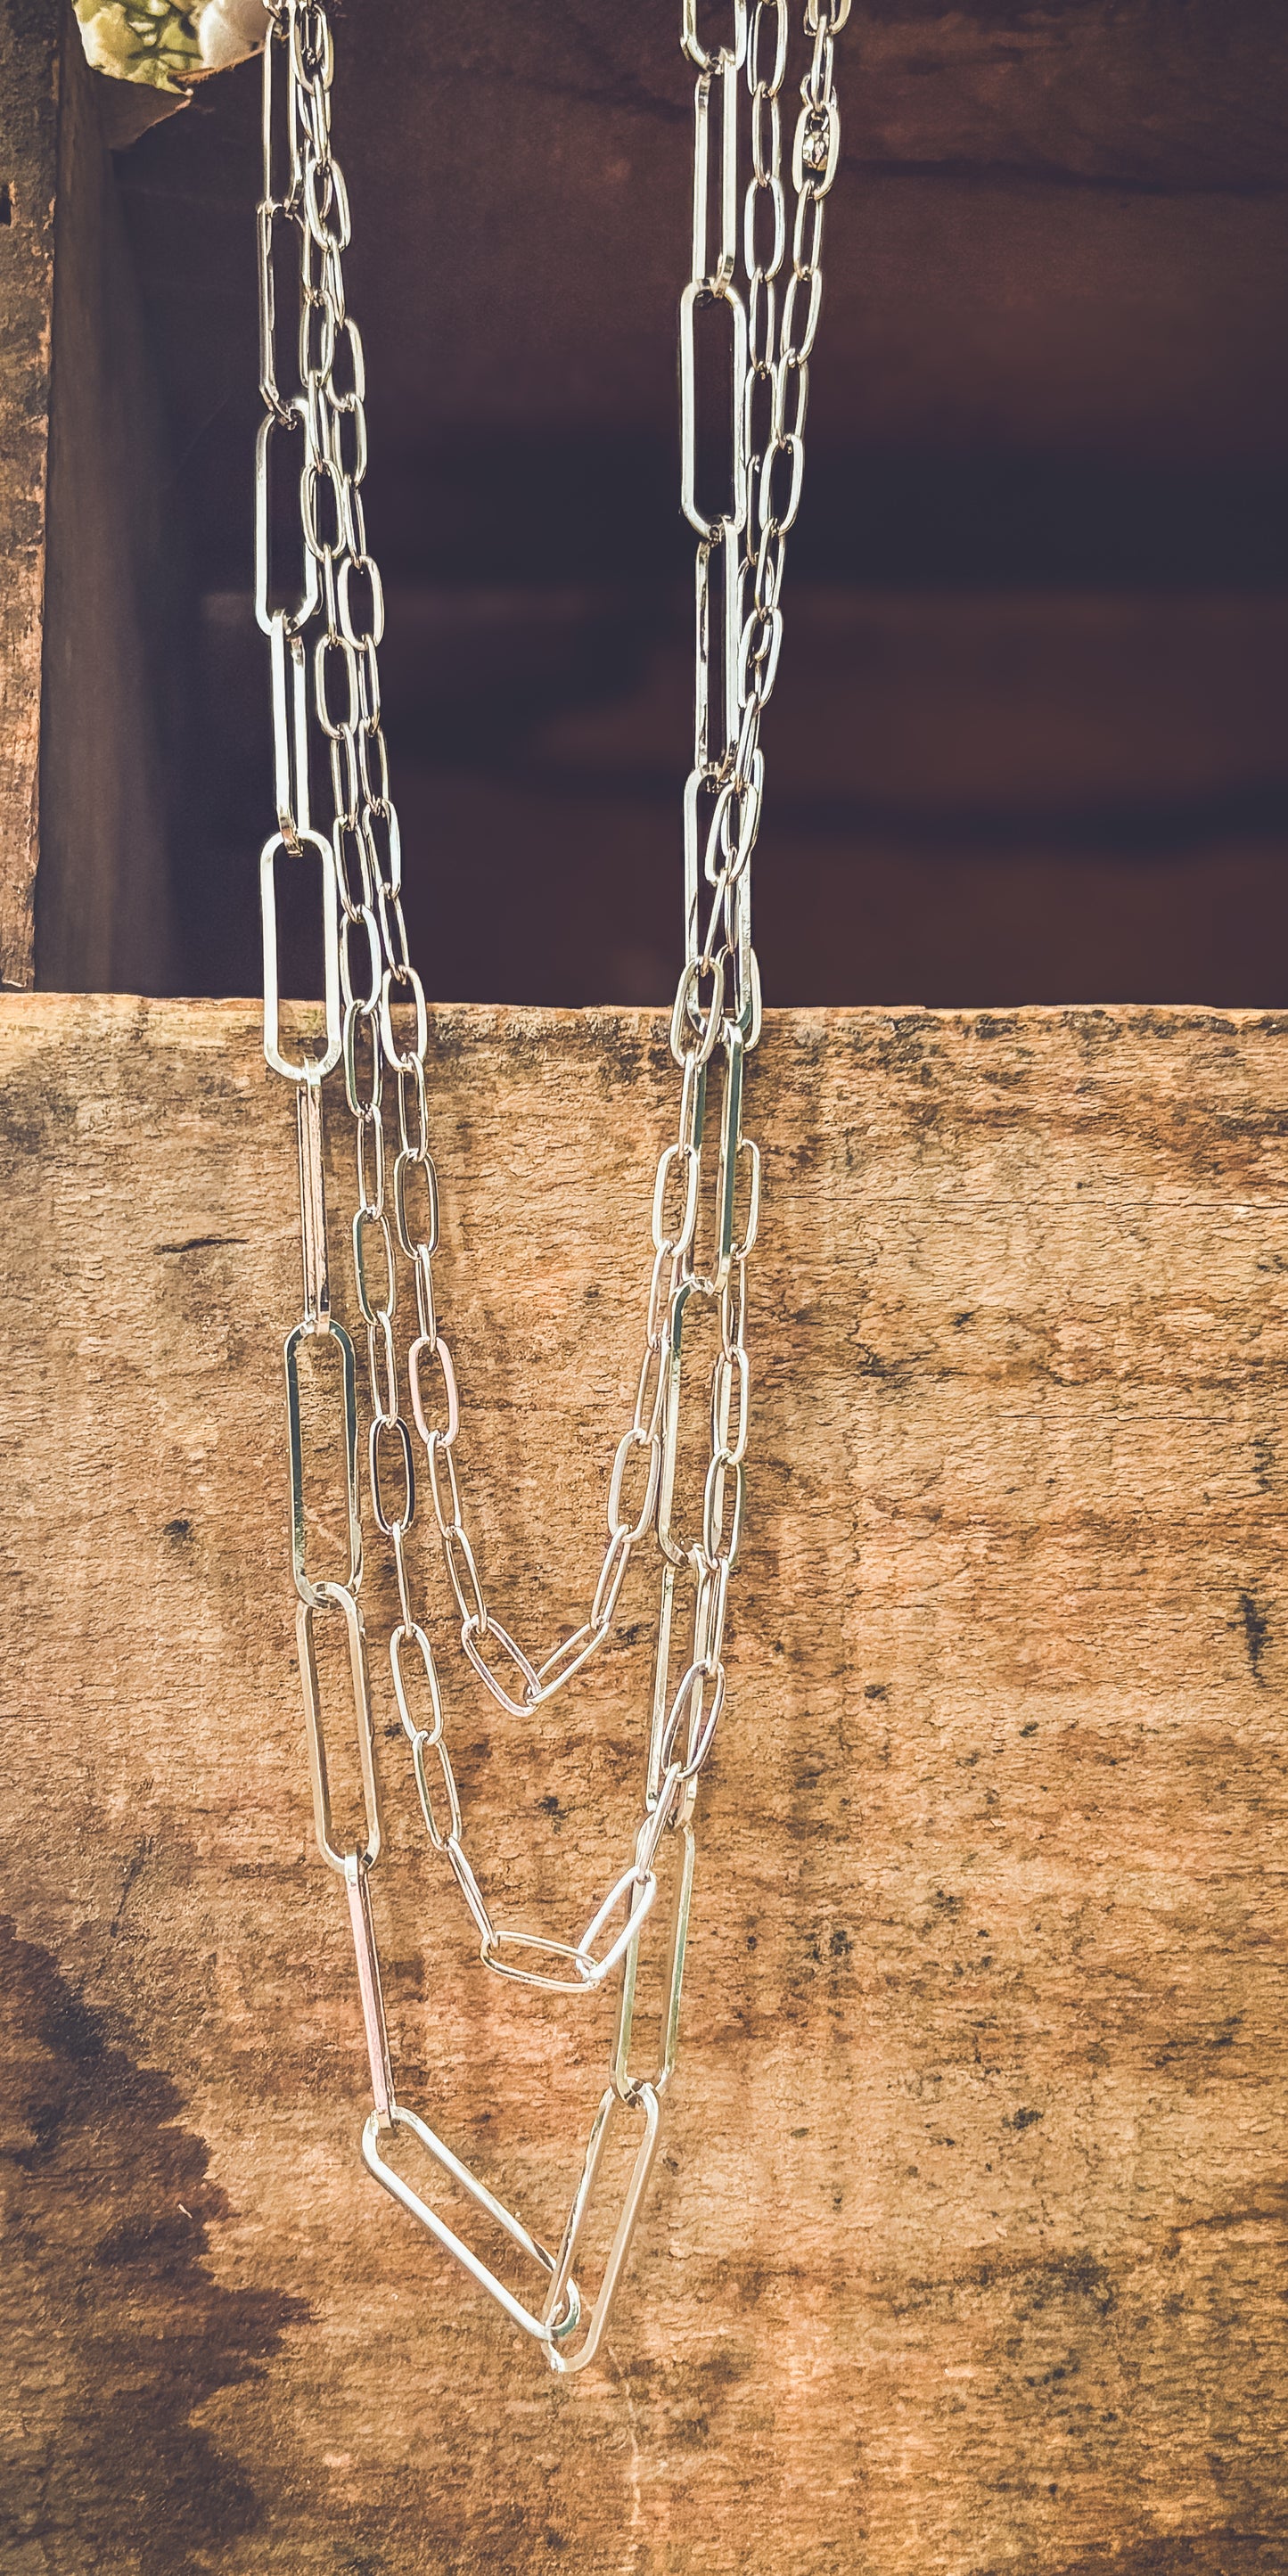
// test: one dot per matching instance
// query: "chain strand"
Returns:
(325, 687)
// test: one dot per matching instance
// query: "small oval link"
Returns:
(355, 392)
(393, 931)
(472, 1893)
(697, 51)
(758, 191)
(351, 870)
(369, 743)
(369, 1160)
(395, 1430)
(709, 1615)
(382, 1369)
(441, 1462)
(415, 1635)
(568, 1658)
(410, 989)
(413, 1237)
(472, 1640)
(745, 1243)
(665, 1241)
(423, 1282)
(762, 324)
(368, 570)
(327, 213)
(429, 1742)
(651, 1392)
(368, 668)
(365, 1219)
(720, 1546)
(386, 863)
(343, 765)
(469, 1601)
(348, 423)
(772, 13)
(612, 1575)
(435, 1350)
(779, 520)
(760, 654)
(630, 1445)
(398, 1542)
(413, 1140)
(360, 998)
(789, 425)
(331, 725)
(364, 1103)
(662, 1287)
(807, 246)
(733, 1307)
(732, 1373)
(636, 1894)
(707, 1027)
(702, 1721)
(319, 470)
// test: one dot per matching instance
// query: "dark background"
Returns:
(1028, 741)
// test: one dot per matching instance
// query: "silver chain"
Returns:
(324, 663)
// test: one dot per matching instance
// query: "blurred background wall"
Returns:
(1028, 742)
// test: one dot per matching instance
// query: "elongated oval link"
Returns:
(334, 1596)
(677, 1911)
(310, 1068)
(423, 1744)
(367, 1220)
(412, 1236)
(435, 1350)
(473, 1634)
(292, 413)
(396, 1429)
(338, 1340)
(630, 1445)
(428, 1736)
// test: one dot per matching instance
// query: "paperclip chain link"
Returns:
(324, 642)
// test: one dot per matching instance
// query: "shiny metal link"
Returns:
(677, 1471)
(335, 1596)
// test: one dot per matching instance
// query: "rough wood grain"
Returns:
(968, 2251)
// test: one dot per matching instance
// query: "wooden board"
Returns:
(967, 2249)
(89, 669)
(28, 118)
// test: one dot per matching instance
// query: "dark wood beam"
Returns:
(86, 624)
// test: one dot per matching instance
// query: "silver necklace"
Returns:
(326, 718)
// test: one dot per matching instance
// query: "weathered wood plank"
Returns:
(967, 2254)
(87, 661)
(28, 122)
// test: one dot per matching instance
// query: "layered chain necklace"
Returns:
(326, 692)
